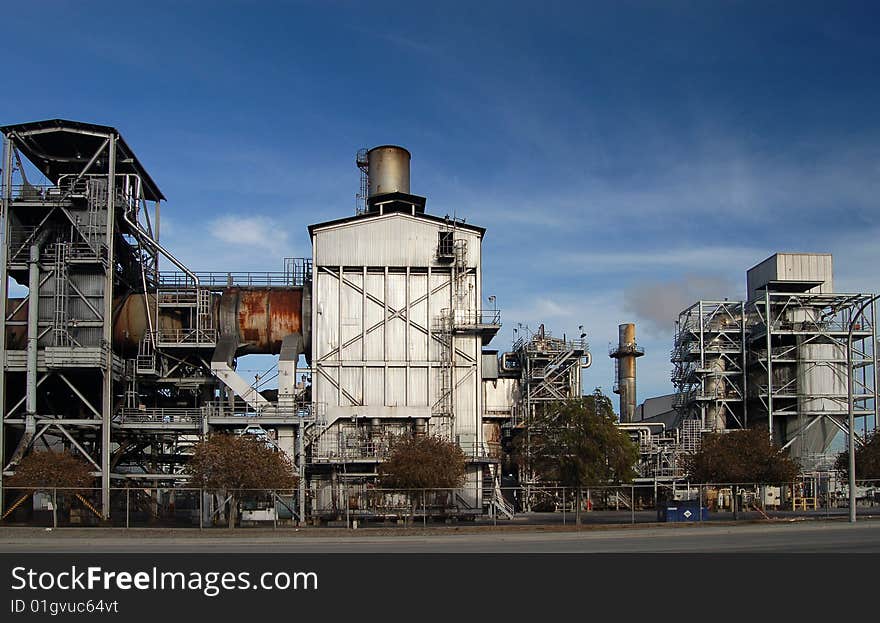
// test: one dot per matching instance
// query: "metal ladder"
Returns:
(97, 202)
(204, 320)
(146, 358)
(443, 408)
(61, 336)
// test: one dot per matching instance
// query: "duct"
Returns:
(259, 318)
(421, 427)
(291, 348)
(221, 367)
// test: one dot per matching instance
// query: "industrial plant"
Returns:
(124, 355)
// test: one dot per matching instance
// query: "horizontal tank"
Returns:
(260, 317)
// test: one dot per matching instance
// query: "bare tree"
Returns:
(49, 470)
(233, 464)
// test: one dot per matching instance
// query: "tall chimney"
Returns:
(625, 363)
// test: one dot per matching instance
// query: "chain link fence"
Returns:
(361, 505)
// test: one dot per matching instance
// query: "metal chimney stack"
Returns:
(625, 367)
(388, 170)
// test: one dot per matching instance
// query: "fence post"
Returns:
(345, 501)
(54, 507)
(201, 508)
(563, 506)
(632, 502)
(127, 513)
(424, 508)
(700, 502)
(274, 511)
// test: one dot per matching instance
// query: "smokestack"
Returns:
(625, 366)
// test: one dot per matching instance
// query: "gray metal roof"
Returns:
(59, 146)
(419, 215)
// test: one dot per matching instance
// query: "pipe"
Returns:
(33, 320)
(149, 239)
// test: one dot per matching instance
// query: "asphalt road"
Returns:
(801, 536)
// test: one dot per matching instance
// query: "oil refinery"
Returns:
(122, 354)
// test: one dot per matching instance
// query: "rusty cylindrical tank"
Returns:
(259, 317)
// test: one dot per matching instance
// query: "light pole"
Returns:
(849, 404)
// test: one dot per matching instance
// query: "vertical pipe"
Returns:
(107, 402)
(702, 367)
(769, 326)
(301, 485)
(851, 423)
(745, 394)
(874, 358)
(32, 328)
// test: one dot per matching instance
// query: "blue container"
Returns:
(684, 511)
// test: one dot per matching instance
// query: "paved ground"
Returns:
(781, 536)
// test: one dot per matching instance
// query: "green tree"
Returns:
(577, 443)
(423, 462)
(867, 459)
(235, 464)
(742, 456)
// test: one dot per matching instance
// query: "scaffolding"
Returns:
(550, 372)
(798, 366)
(125, 357)
(709, 359)
(778, 361)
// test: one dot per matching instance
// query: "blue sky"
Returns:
(626, 157)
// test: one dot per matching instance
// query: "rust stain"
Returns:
(265, 316)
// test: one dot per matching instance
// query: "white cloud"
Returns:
(259, 232)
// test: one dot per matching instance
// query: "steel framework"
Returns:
(106, 355)
(780, 361)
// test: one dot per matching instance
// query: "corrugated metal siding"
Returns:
(388, 364)
(500, 394)
(792, 267)
(391, 240)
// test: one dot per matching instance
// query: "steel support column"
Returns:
(4, 227)
(109, 271)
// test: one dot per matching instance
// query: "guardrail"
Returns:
(160, 416)
(297, 272)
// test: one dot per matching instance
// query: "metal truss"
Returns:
(709, 358)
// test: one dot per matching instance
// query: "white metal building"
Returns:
(397, 331)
